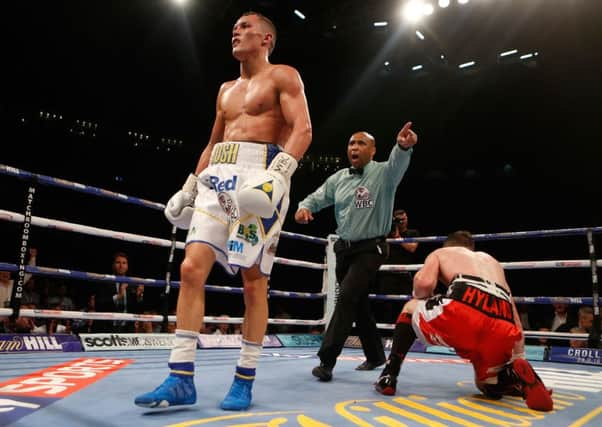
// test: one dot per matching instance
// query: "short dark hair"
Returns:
(120, 255)
(398, 212)
(460, 238)
(270, 25)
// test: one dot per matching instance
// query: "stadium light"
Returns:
(508, 52)
(443, 3)
(413, 10)
(467, 64)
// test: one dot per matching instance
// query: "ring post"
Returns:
(172, 249)
(594, 336)
(330, 287)
(17, 292)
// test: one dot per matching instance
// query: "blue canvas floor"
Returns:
(434, 390)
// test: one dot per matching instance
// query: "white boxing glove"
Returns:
(180, 207)
(261, 194)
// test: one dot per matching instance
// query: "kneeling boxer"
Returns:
(477, 317)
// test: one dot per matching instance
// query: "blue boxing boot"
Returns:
(177, 389)
(239, 397)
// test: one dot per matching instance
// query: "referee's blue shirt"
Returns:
(363, 204)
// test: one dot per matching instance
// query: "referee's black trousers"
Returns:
(357, 264)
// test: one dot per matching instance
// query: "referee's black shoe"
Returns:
(322, 372)
(366, 365)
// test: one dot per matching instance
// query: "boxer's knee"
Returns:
(255, 285)
(196, 265)
(189, 271)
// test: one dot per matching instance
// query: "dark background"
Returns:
(506, 145)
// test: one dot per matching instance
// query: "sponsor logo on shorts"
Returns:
(491, 305)
(225, 185)
(362, 198)
(267, 187)
(235, 246)
(248, 233)
(225, 153)
(228, 206)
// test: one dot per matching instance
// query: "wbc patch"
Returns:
(363, 198)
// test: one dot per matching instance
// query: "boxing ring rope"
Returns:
(107, 194)
(63, 273)
(507, 235)
(329, 272)
(84, 275)
(96, 315)
(129, 237)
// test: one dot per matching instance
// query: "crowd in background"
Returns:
(41, 292)
(65, 295)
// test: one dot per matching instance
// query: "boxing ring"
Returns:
(61, 386)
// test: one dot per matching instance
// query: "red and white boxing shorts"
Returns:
(475, 318)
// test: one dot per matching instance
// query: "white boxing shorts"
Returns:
(238, 238)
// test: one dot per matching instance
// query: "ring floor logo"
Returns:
(576, 404)
(408, 410)
(21, 396)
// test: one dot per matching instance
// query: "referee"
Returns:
(363, 197)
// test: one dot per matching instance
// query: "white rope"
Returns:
(516, 265)
(556, 335)
(299, 263)
(127, 237)
(85, 229)
(95, 315)
(528, 334)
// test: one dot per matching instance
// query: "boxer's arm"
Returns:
(519, 347)
(179, 208)
(293, 105)
(518, 351)
(217, 132)
(425, 280)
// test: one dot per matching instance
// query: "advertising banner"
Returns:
(12, 343)
(101, 342)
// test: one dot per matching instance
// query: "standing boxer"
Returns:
(235, 203)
